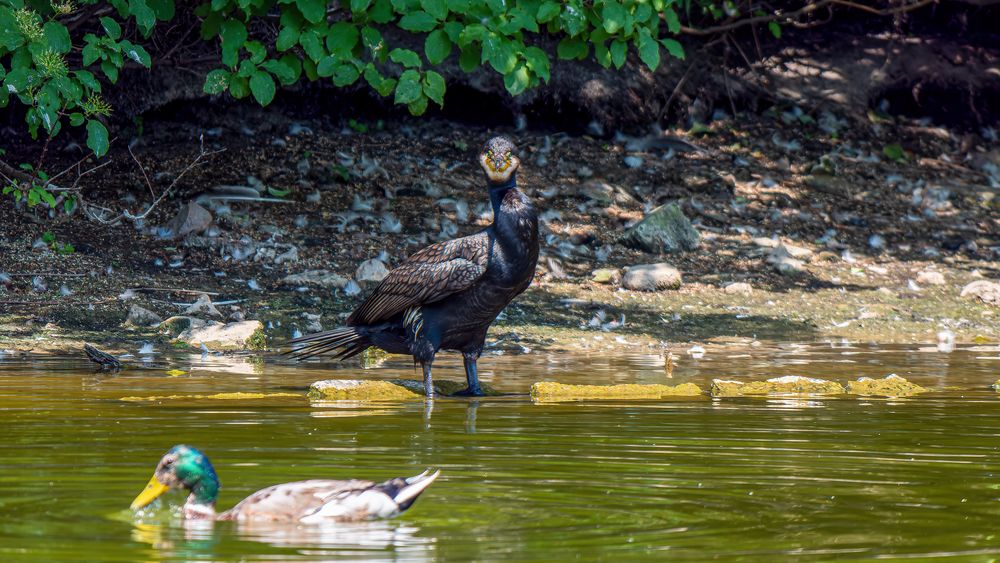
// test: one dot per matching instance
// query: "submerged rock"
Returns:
(548, 391)
(652, 277)
(665, 229)
(889, 386)
(242, 335)
(445, 387)
(787, 385)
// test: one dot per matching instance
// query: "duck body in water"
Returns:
(446, 296)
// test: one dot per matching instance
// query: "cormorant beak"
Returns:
(152, 491)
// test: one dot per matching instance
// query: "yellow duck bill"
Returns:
(154, 488)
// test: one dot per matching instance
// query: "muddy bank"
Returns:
(809, 228)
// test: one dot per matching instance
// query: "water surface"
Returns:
(757, 479)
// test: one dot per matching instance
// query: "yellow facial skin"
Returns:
(150, 493)
(498, 167)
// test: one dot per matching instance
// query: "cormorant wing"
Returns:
(429, 275)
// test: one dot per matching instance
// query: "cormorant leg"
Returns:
(428, 382)
(471, 376)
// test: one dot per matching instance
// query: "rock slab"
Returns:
(664, 229)
(549, 391)
(241, 335)
(652, 277)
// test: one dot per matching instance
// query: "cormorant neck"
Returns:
(497, 191)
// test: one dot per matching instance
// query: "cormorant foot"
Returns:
(470, 392)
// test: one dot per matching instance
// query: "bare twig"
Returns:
(201, 155)
(143, 170)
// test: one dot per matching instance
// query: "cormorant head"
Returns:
(183, 467)
(499, 161)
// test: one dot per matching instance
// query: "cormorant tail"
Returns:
(344, 342)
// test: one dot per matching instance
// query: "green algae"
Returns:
(236, 396)
(788, 385)
(360, 390)
(888, 386)
(550, 391)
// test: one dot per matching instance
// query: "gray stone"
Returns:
(984, 290)
(241, 335)
(665, 229)
(192, 218)
(765, 242)
(371, 271)
(316, 278)
(141, 317)
(652, 277)
(605, 194)
(738, 288)
(202, 307)
(931, 277)
(180, 323)
(290, 255)
(788, 266)
(797, 252)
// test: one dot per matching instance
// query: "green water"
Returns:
(751, 479)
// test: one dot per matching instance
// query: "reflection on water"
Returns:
(751, 478)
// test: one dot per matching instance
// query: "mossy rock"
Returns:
(888, 386)
(361, 390)
(549, 391)
(788, 385)
(238, 396)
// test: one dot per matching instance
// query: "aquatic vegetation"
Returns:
(237, 396)
(547, 391)
(359, 390)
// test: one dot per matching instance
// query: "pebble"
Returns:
(738, 288)
(877, 242)
(928, 277)
(633, 161)
(652, 277)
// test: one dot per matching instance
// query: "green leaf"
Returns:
(572, 48)
(406, 57)
(437, 46)
(288, 37)
(257, 51)
(775, 29)
(164, 9)
(327, 66)
(359, 6)
(418, 21)
(234, 35)
(613, 16)
(501, 53)
(144, 16)
(418, 106)
(469, 59)
(312, 45)
(517, 81)
(381, 12)
(436, 8)
(547, 11)
(649, 49)
(619, 49)
(10, 37)
(894, 152)
(674, 48)
(287, 70)
(97, 137)
(137, 53)
(68, 88)
(76, 119)
(57, 37)
(342, 38)
(573, 18)
(216, 81)
(239, 87)
(313, 10)
(673, 22)
(110, 70)
(345, 75)
(91, 52)
(408, 89)
(112, 28)
(262, 87)
(47, 197)
(68, 204)
(278, 192)
(434, 87)
(538, 62)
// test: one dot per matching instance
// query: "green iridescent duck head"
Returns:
(499, 161)
(183, 467)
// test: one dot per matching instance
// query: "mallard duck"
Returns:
(447, 295)
(315, 501)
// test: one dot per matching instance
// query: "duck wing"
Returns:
(324, 500)
(429, 275)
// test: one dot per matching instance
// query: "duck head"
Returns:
(183, 467)
(499, 161)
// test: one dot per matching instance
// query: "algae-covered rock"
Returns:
(664, 229)
(241, 335)
(889, 386)
(787, 385)
(360, 390)
(238, 396)
(611, 276)
(548, 391)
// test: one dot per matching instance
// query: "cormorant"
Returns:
(447, 295)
